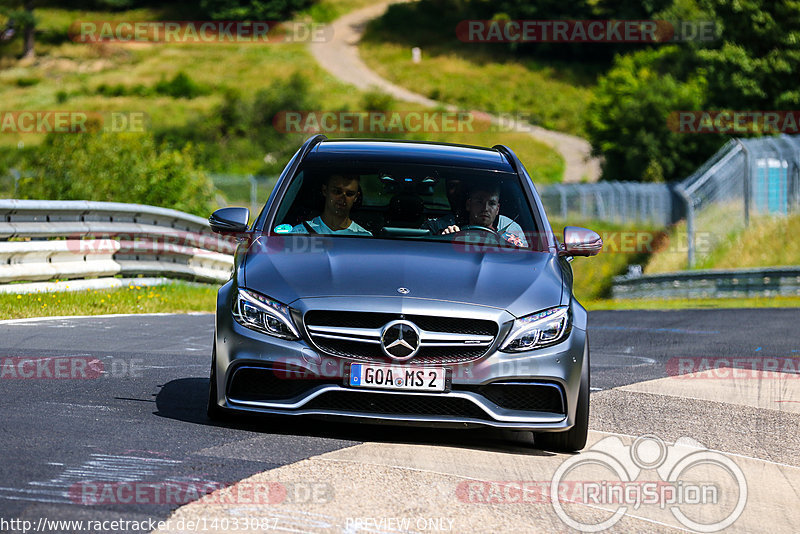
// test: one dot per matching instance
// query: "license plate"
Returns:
(404, 378)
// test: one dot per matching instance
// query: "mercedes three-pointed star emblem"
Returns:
(400, 340)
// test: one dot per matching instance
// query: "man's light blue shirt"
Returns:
(320, 227)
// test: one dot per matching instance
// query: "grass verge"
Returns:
(722, 242)
(688, 304)
(472, 76)
(170, 298)
(72, 76)
(183, 298)
(593, 276)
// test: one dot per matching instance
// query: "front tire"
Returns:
(575, 438)
(213, 410)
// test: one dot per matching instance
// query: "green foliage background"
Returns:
(117, 167)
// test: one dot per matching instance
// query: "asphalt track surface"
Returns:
(143, 419)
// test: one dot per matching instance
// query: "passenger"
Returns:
(483, 208)
(340, 193)
(455, 196)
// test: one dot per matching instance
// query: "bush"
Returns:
(248, 10)
(236, 136)
(376, 100)
(180, 86)
(27, 81)
(119, 168)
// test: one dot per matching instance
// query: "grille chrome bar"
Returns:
(373, 335)
(346, 338)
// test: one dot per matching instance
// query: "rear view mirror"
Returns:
(229, 220)
(580, 242)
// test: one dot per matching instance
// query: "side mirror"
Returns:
(229, 220)
(580, 242)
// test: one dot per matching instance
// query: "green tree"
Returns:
(119, 168)
(19, 21)
(751, 65)
(627, 118)
(754, 64)
(252, 9)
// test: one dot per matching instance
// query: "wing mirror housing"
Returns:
(580, 242)
(230, 220)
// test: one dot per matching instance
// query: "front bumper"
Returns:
(536, 390)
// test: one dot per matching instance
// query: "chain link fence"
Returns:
(745, 178)
(244, 189)
(621, 202)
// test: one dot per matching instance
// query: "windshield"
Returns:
(408, 201)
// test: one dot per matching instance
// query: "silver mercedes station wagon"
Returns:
(404, 282)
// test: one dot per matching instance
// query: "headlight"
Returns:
(538, 330)
(263, 314)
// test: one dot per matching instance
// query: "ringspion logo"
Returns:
(704, 490)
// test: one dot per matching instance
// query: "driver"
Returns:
(340, 193)
(483, 208)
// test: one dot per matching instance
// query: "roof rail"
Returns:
(310, 143)
(510, 156)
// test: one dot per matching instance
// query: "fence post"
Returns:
(689, 223)
(15, 173)
(746, 177)
(562, 192)
(583, 204)
(253, 193)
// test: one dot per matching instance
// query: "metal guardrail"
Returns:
(65, 239)
(735, 283)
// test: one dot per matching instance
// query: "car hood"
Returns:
(298, 267)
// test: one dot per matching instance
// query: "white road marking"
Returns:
(769, 390)
(105, 467)
(106, 316)
(90, 406)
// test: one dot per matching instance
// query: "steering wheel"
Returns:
(477, 227)
(497, 239)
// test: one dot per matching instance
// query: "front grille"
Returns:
(371, 352)
(532, 397)
(377, 403)
(455, 325)
(262, 384)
